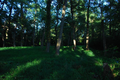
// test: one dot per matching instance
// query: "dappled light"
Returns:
(77, 55)
(21, 68)
(15, 48)
(37, 64)
(59, 40)
(89, 53)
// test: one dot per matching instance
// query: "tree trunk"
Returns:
(6, 34)
(69, 37)
(87, 33)
(10, 18)
(110, 21)
(22, 37)
(110, 27)
(37, 35)
(61, 28)
(14, 40)
(22, 31)
(103, 32)
(34, 26)
(34, 36)
(9, 24)
(14, 36)
(104, 40)
(56, 24)
(92, 37)
(3, 38)
(42, 41)
(48, 24)
(73, 25)
(3, 34)
(74, 40)
(26, 39)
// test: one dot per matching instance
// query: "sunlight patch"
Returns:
(89, 53)
(80, 48)
(20, 68)
(72, 49)
(77, 55)
(99, 62)
(60, 49)
(18, 47)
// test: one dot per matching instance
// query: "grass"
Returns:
(33, 63)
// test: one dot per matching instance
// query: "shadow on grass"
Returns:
(34, 63)
(12, 57)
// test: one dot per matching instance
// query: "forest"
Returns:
(59, 39)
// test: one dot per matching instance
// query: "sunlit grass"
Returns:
(77, 55)
(99, 62)
(18, 69)
(89, 53)
(10, 48)
(34, 63)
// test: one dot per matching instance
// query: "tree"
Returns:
(103, 29)
(87, 33)
(3, 33)
(73, 23)
(22, 25)
(34, 21)
(58, 6)
(61, 28)
(48, 21)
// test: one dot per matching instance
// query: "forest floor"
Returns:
(33, 63)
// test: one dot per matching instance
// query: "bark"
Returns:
(85, 36)
(87, 33)
(92, 37)
(22, 31)
(3, 39)
(26, 38)
(14, 40)
(37, 35)
(48, 24)
(42, 41)
(110, 27)
(61, 28)
(103, 33)
(9, 23)
(104, 39)
(56, 24)
(10, 18)
(14, 37)
(69, 39)
(22, 37)
(73, 25)
(3, 34)
(34, 26)
(6, 34)
(34, 35)
(74, 40)
(110, 21)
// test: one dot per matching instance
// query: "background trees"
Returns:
(39, 22)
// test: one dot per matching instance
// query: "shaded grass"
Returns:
(33, 63)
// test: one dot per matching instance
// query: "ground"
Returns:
(33, 63)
